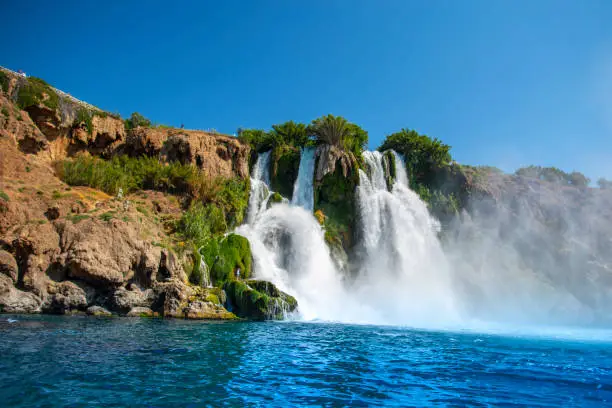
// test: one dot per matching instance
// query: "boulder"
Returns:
(13, 300)
(67, 296)
(98, 311)
(141, 312)
(207, 311)
(259, 300)
(123, 300)
(8, 265)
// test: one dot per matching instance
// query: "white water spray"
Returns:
(260, 192)
(303, 191)
(403, 278)
(403, 266)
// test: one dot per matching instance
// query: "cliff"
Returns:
(75, 249)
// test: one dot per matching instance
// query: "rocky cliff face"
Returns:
(77, 250)
(217, 155)
(52, 124)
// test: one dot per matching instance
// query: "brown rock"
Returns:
(67, 296)
(106, 253)
(216, 155)
(8, 265)
(124, 300)
(13, 300)
(141, 312)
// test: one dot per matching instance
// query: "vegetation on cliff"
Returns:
(35, 91)
(329, 129)
(554, 175)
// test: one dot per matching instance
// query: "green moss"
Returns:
(196, 276)
(213, 299)
(285, 167)
(335, 197)
(233, 253)
(258, 300)
(35, 92)
(389, 158)
(275, 198)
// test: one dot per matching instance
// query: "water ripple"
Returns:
(82, 362)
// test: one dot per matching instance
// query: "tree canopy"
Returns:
(329, 129)
(424, 155)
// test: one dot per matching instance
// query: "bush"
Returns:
(4, 81)
(424, 156)
(136, 120)
(128, 174)
(36, 91)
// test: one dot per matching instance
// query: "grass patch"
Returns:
(56, 195)
(4, 196)
(127, 173)
(107, 216)
(75, 219)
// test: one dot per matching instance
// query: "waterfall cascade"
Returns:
(402, 278)
(260, 191)
(402, 275)
(303, 191)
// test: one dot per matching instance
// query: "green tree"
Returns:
(290, 133)
(137, 120)
(258, 139)
(424, 155)
(339, 132)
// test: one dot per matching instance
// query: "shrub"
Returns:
(4, 196)
(127, 173)
(36, 91)
(136, 120)
(424, 156)
(4, 81)
(258, 139)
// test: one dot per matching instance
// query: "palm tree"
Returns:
(330, 129)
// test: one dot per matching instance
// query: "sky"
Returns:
(505, 83)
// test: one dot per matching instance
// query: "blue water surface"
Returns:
(86, 361)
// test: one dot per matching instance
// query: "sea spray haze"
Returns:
(534, 252)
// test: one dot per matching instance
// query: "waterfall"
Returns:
(402, 264)
(303, 192)
(260, 192)
(403, 277)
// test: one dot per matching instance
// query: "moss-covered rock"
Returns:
(389, 163)
(258, 300)
(229, 257)
(285, 167)
(335, 198)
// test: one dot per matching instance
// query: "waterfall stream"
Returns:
(303, 191)
(402, 277)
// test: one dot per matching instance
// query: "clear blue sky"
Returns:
(506, 83)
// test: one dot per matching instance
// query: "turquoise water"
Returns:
(84, 361)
